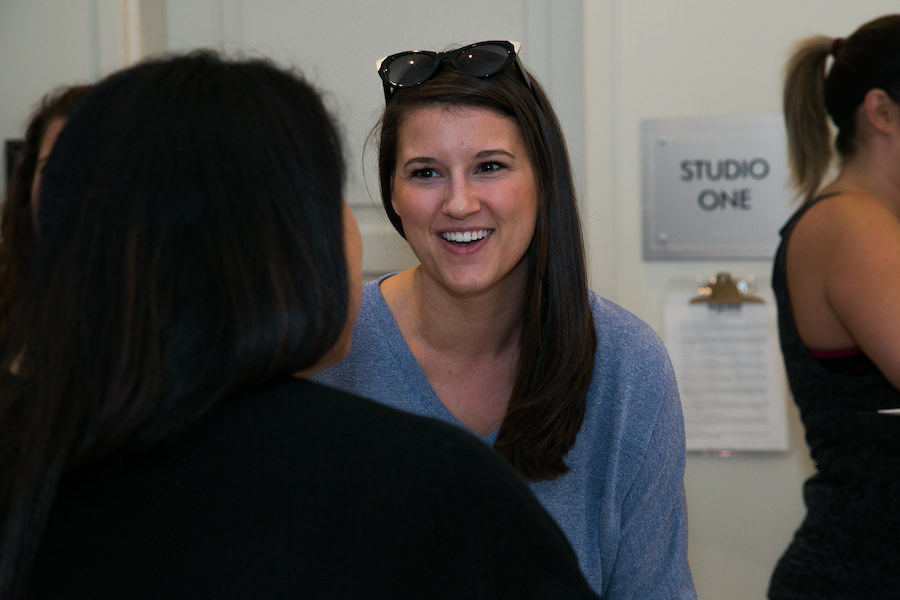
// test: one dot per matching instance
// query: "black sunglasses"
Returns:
(414, 67)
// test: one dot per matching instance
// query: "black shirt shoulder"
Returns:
(299, 490)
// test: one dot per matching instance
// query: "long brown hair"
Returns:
(556, 359)
(814, 93)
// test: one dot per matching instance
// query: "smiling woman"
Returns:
(496, 331)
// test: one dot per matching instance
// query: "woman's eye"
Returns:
(490, 166)
(423, 173)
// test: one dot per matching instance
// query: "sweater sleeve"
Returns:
(651, 563)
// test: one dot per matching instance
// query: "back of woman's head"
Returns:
(815, 93)
(190, 239)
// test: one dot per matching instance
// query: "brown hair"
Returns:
(869, 58)
(556, 359)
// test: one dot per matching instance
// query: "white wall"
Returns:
(42, 44)
(607, 64)
(45, 44)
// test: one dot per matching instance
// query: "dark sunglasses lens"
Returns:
(483, 60)
(411, 69)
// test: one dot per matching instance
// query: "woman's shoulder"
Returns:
(841, 213)
(617, 327)
(311, 413)
(355, 469)
(838, 233)
(632, 368)
(372, 289)
(374, 305)
(374, 313)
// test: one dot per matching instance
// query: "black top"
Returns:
(300, 491)
(848, 546)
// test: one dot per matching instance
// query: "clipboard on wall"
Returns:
(723, 289)
(723, 339)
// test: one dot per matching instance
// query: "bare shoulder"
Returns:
(841, 210)
(842, 264)
(843, 231)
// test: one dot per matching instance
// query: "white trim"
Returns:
(111, 37)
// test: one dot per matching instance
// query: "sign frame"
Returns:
(714, 187)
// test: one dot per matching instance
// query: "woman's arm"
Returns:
(652, 558)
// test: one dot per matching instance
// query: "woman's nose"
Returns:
(462, 200)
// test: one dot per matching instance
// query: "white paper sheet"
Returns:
(730, 374)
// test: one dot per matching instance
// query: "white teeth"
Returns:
(465, 236)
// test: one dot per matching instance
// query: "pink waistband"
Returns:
(836, 353)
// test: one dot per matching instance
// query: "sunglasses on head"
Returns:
(414, 67)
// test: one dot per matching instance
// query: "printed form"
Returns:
(730, 374)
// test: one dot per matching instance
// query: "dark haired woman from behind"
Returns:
(17, 227)
(194, 261)
(836, 280)
(496, 330)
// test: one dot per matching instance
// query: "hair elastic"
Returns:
(835, 45)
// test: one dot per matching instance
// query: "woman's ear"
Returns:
(880, 110)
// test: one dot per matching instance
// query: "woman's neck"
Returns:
(874, 171)
(486, 324)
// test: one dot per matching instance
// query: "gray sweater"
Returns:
(622, 504)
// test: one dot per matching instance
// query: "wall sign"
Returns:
(714, 187)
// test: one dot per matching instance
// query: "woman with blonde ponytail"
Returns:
(838, 289)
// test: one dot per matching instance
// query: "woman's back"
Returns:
(297, 490)
(847, 545)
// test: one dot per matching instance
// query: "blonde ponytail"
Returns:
(805, 115)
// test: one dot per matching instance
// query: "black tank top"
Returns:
(848, 546)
